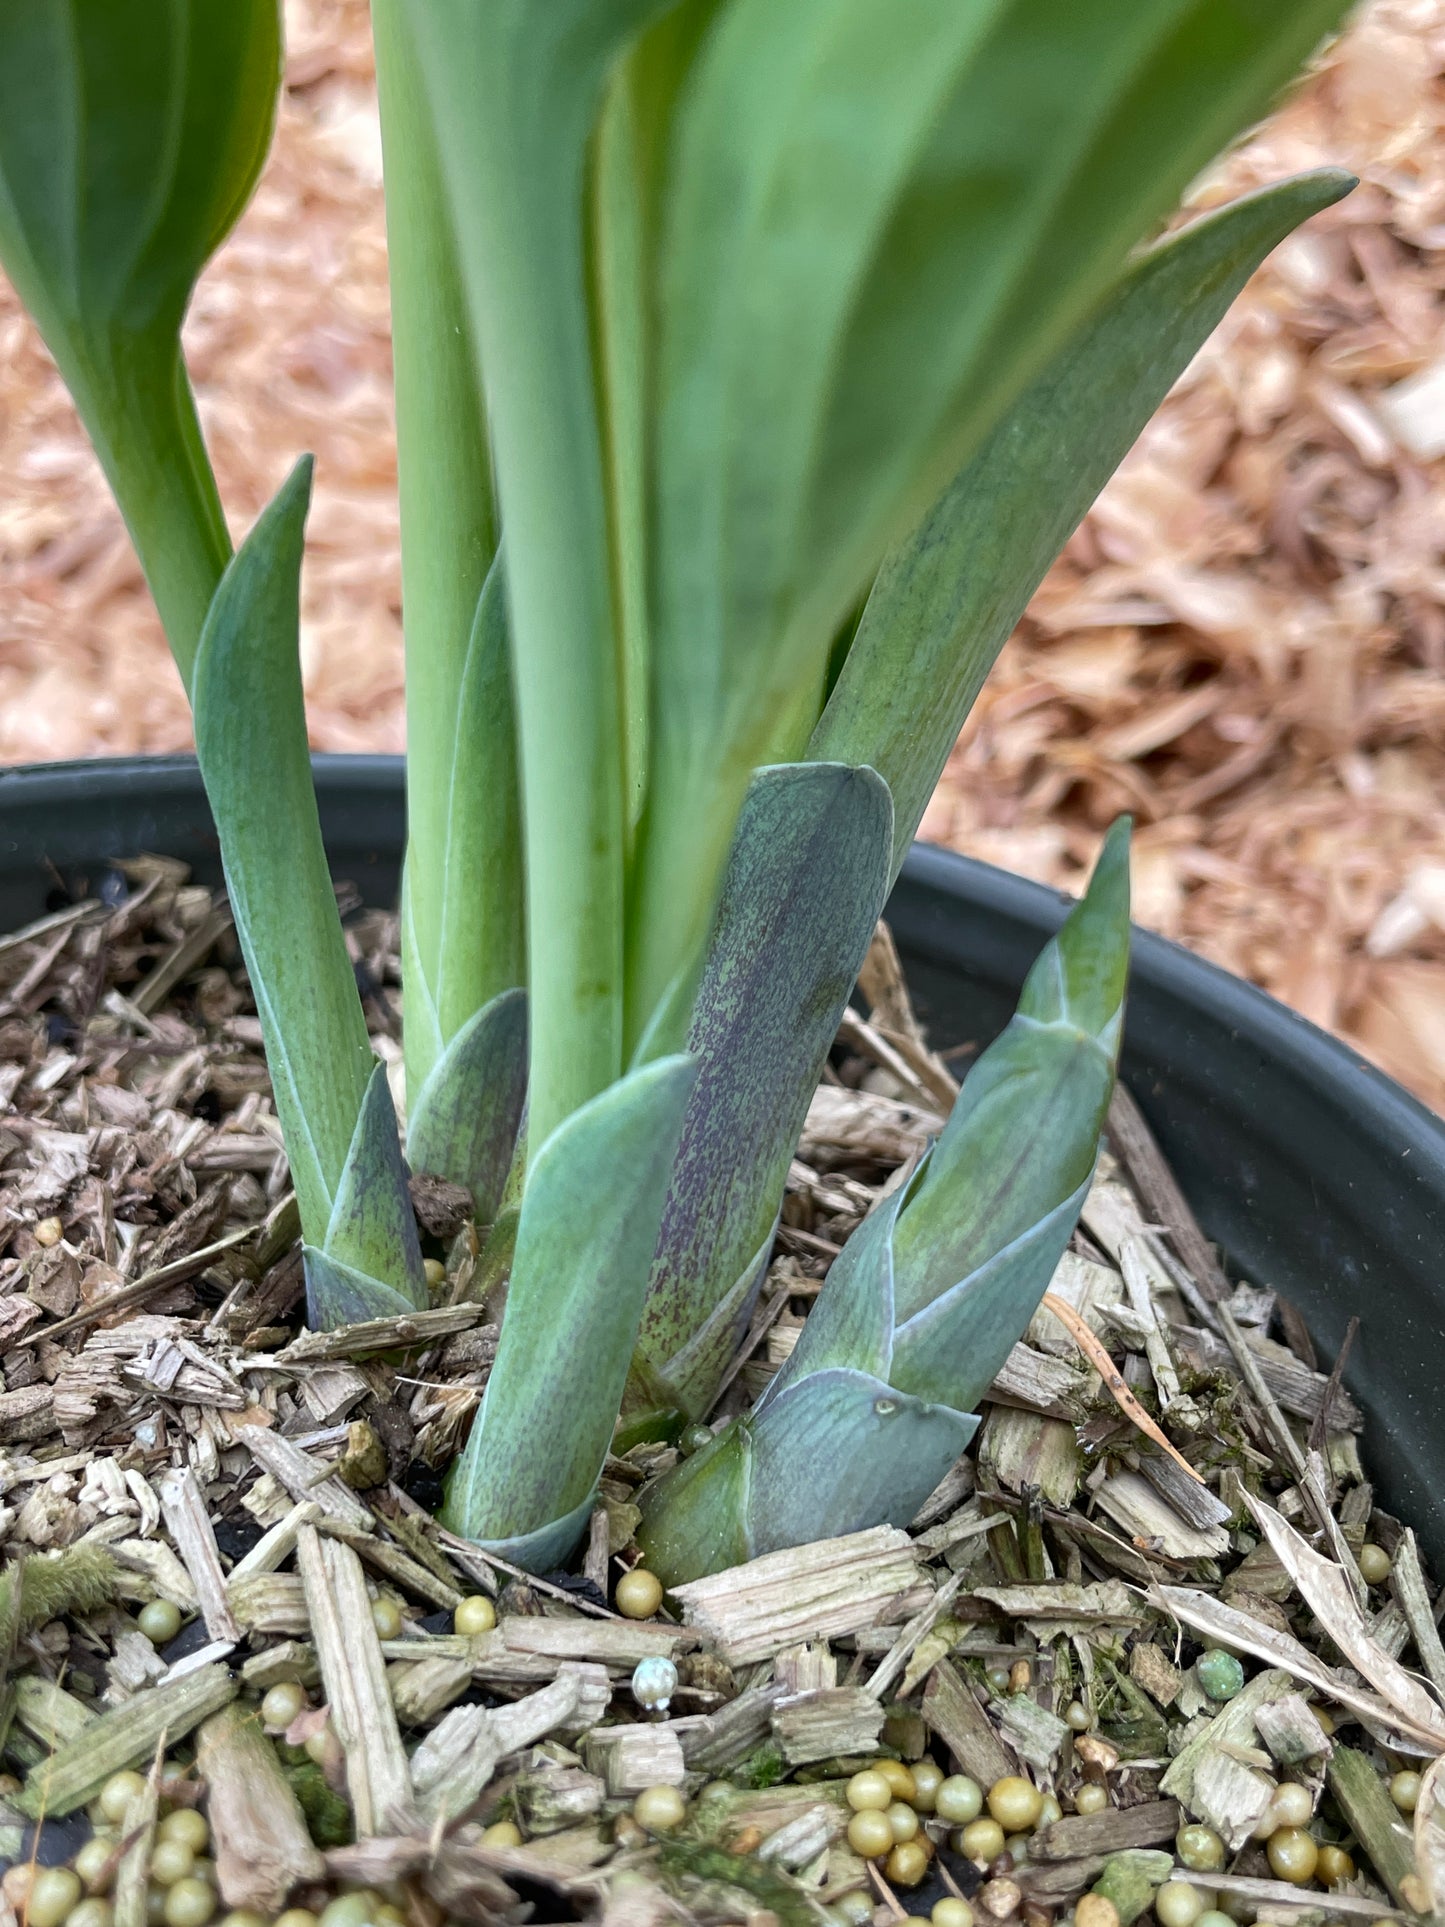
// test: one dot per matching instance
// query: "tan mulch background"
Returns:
(1243, 645)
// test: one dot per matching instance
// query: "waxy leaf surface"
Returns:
(448, 538)
(588, 1226)
(804, 889)
(463, 1125)
(516, 90)
(131, 135)
(251, 743)
(372, 1231)
(949, 595)
(928, 1296)
(471, 875)
(875, 239)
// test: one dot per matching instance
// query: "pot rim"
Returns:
(1296, 1043)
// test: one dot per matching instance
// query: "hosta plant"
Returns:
(752, 364)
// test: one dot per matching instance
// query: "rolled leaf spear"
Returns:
(928, 1296)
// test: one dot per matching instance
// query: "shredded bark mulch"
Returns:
(1242, 645)
(1157, 1589)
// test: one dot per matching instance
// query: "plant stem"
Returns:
(149, 443)
(618, 246)
(514, 95)
(448, 524)
(682, 854)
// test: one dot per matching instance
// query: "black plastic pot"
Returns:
(1316, 1174)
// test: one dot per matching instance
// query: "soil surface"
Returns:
(1242, 645)
(1153, 1618)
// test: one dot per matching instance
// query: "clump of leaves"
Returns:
(752, 364)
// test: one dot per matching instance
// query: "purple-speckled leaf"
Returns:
(338, 1294)
(588, 1221)
(804, 888)
(921, 1309)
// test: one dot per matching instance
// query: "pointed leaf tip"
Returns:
(1080, 977)
(372, 1230)
(250, 718)
(261, 581)
(291, 503)
(464, 1123)
(1321, 187)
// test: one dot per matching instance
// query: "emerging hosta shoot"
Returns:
(752, 364)
(875, 1401)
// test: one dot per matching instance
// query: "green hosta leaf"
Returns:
(948, 596)
(464, 1123)
(131, 135)
(516, 90)
(338, 1294)
(930, 1293)
(836, 1451)
(588, 1226)
(471, 879)
(372, 1234)
(449, 535)
(251, 742)
(804, 889)
(877, 235)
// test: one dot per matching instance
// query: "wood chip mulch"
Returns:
(1243, 645)
(1161, 1472)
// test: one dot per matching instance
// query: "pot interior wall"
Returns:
(1315, 1174)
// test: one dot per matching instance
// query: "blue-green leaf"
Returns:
(464, 1123)
(251, 742)
(588, 1225)
(516, 89)
(872, 1454)
(877, 235)
(629, 165)
(930, 1293)
(695, 1519)
(463, 879)
(131, 135)
(372, 1231)
(337, 1294)
(851, 1324)
(948, 596)
(954, 1345)
(804, 888)
(448, 538)
(836, 1451)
